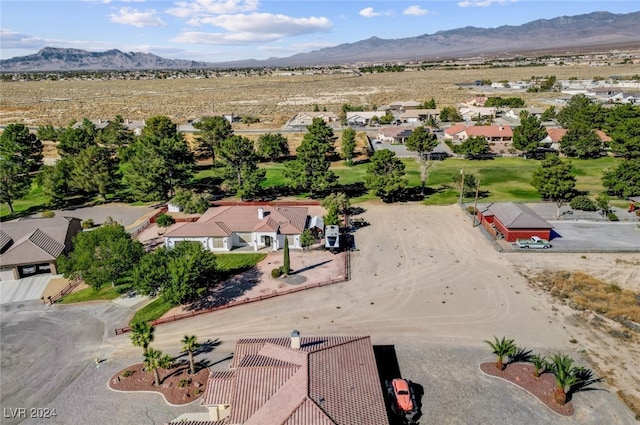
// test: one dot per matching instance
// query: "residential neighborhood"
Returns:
(349, 267)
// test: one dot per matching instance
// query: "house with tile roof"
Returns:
(500, 137)
(31, 245)
(298, 380)
(306, 118)
(555, 135)
(229, 227)
(394, 134)
(418, 116)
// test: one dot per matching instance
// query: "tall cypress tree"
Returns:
(286, 266)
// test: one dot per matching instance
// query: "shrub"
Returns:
(164, 220)
(471, 210)
(127, 373)
(48, 214)
(197, 391)
(612, 216)
(87, 224)
(583, 203)
(184, 382)
(275, 273)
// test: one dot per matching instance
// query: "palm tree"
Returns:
(563, 370)
(539, 364)
(189, 344)
(142, 335)
(502, 348)
(154, 360)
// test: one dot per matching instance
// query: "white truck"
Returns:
(534, 242)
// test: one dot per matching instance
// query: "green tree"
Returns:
(306, 238)
(310, 169)
(602, 202)
(582, 142)
(93, 171)
(160, 127)
(241, 172)
(55, 182)
(141, 335)
(502, 348)
(102, 256)
(549, 114)
(528, 135)
(563, 370)
(20, 155)
(273, 146)
(429, 104)
(212, 131)
(450, 114)
(319, 131)
(338, 201)
(179, 275)
(470, 183)
(580, 110)
(625, 138)
(332, 217)
(623, 180)
(385, 175)
(154, 360)
(190, 344)
(554, 180)
(47, 132)
(423, 142)
(286, 262)
(474, 147)
(72, 140)
(348, 145)
(387, 118)
(115, 134)
(190, 202)
(154, 167)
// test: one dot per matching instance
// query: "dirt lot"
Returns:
(273, 99)
(428, 284)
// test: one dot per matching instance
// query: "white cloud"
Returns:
(483, 3)
(222, 38)
(199, 8)
(137, 18)
(368, 12)
(415, 11)
(268, 23)
(15, 40)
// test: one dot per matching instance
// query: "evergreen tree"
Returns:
(348, 145)
(286, 265)
(528, 135)
(385, 175)
(554, 180)
(212, 131)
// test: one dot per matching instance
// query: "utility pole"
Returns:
(475, 203)
(461, 184)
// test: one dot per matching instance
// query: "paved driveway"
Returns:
(28, 288)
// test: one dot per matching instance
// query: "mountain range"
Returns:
(589, 32)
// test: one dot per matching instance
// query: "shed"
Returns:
(513, 221)
(316, 226)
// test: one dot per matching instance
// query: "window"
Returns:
(217, 242)
(244, 238)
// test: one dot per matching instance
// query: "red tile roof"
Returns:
(223, 221)
(490, 131)
(328, 380)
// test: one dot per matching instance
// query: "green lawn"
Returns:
(107, 292)
(228, 264)
(33, 202)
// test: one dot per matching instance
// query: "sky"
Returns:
(227, 30)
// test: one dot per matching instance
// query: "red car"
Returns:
(402, 395)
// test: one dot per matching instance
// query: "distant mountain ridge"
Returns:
(590, 31)
(59, 59)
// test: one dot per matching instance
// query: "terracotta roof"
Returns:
(36, 240)
(490, 131)
(517, 216)
(223, 221)
(455, 129)
(328, 380)
(555, 134)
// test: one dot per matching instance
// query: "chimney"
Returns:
(501, 128)
(295, 340)
(260, 213)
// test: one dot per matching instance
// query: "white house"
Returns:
(230, 227)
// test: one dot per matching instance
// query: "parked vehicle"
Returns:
(534, 242)
(402, 396)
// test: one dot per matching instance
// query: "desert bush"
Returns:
(164, 220)
(48, 214)
(184, 382)
(87, 224)
(275, 273)
(612, 216)
(583, 203)
(127, 373)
